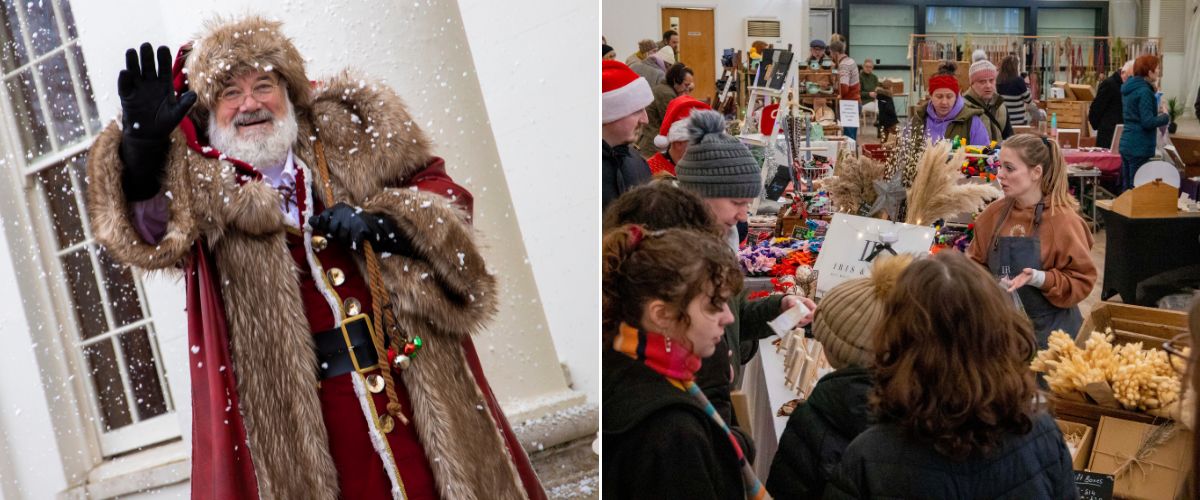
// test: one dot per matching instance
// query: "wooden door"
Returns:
(697, 46)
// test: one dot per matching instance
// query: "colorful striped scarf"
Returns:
(679, 367)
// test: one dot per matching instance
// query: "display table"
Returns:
(1108, 162)
(764, 387)
(1138, 248)
(1089, 180)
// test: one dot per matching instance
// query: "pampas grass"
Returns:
(936, 193)
(854, 186)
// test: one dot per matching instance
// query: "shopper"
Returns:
(677, 81)
(723, 172)
(947, 115)
(954, 397)
(646, 47)
(887, 121)
(849, 88)
(1033, 238)
(816, 53)
(1106, 110)
(665, 303)
(668, 48)
(982, 95)
(1011, 86)
(607, 52)
(623, 106)
(649, 67)
(836, 412)
(869, 81)
(1143, 114)
(672, 139)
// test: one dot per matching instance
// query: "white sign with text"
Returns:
(851, 241)
(848, 116)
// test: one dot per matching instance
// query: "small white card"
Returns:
(789, 319)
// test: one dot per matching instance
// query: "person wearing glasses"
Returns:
(326, 254)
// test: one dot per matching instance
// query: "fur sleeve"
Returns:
(447, 281)
(111, 215)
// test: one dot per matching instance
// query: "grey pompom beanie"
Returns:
(715, 164)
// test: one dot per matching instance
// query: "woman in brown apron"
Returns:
(1033, 239)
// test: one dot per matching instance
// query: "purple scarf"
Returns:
(935, 126)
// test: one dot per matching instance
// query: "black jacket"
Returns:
(887, 111)
(658, 442)
(1105, 111)
(818, 432)
(884, 462)
(623, 169)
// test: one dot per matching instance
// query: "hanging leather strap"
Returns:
(384, 319)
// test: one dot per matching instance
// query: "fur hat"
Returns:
(675, 123)
(851, 311)
(229, 48)
(981, 67)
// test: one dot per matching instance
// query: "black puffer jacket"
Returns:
(818, 432)
(658, 442)
(884, 462)
(622, 170)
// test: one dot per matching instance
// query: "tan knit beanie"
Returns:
(850, 312)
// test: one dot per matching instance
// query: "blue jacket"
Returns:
(1141, 118)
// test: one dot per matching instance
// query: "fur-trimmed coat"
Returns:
(372, 146)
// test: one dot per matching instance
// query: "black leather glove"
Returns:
(150, 112)
(351, 225)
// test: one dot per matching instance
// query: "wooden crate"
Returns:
(1130, 323)
(1089, 414)
(1152, 199)
(823, 78)
(1068, 111)
(929, 68)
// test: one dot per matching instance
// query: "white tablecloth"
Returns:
(764, 387)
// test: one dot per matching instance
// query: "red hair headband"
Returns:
(635, 236)
(943, 82)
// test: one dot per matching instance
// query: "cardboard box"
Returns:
(1083, 450)
(1156, 472)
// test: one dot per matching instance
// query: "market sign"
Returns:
(853, 242)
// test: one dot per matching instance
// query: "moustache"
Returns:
(253, 117)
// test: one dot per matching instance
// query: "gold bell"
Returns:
(337, 277)
(353, 307)
(375, 383)
(386, 424)
(319, 243)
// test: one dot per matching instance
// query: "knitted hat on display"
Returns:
(717, 165)
(981, 68)
(624, 92)
(943, 82)
(675, 126)
(851, 311)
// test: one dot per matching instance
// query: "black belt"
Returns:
(339, 348)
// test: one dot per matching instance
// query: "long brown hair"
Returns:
(672, 265)
(1008, 68)
(952, 358)
(1036, 150)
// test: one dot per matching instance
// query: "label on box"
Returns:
(1093, 485)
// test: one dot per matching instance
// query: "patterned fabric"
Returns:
(655, 351)
(679, 366)
(659, 163)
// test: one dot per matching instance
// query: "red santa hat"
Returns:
(675, 123)
(624, 91)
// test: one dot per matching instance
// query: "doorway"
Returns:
(697, 46)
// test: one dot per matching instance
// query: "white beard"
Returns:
(258, 148)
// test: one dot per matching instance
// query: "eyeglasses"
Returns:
(1179, 351)
(235, 96)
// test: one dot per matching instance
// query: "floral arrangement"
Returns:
(1135, 377)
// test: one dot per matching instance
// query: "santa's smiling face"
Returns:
(254, 120)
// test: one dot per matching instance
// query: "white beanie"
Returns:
(624, 92)
(981, 67)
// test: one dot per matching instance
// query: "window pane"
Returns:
(122, 293)
(64, 8)
(60, 95)
(43, 29)
(106, 379)
(84, 293)
(64, 212)
(143, 374)
(31, 122)
(89, 101)
(975, 20)
(14, 54)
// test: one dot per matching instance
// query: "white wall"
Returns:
(540, 84)
(624, 22)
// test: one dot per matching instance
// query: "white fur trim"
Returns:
(318, 273)
(622, 102)
(661, 142)
(679, 130)
(377, 439)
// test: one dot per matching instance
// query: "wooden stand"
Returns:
(1154, 199)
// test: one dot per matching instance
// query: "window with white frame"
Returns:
(105, 323)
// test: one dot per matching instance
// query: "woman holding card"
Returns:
(1033, 239)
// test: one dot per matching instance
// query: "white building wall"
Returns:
(627, 21)
(421, 50)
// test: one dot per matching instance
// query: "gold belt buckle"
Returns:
(350, 346)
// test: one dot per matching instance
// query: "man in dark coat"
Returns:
(1105, 111)
(625, 98)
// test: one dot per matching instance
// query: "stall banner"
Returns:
(853, 242)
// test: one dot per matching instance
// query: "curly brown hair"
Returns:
(660, 204)
(952, 358)
(672, 265)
